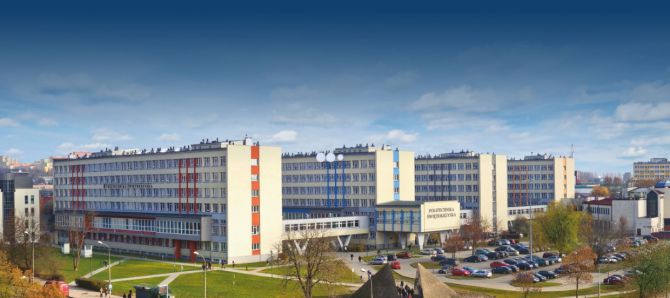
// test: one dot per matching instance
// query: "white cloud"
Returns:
(105, 134)
(637, 111)
(68, 147)
(299, 114)
(463, 98)
(634, 152)
(8, 122)
(284, 136)
(169, 137)
(84, 87)
(401, 136)
(14, 152)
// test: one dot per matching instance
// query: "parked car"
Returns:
(562, 269)
(471, 269)
(444, 270)
(514, 268)
(650, 238)
(62, 286)
(438, 258)
(428, 252)
(540, 276)
(502, 270)
(496, 242)
(378, 261)
(482, 251)
(395, 265)
(439, 251)
(548, 274)
(549, 254)
(542, 262)
(467, 246)
(524, 266)
(508, 249)
(476, 259)
(481, 273)
(613, 280)
(498, 264)
(449, 261)
(555, 259)
(404, 255)
(459, 272)
(391, 257)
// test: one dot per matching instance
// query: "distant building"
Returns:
(477, 181)
(540, 179)
(643, 212)
(20, 206)
(656, 169)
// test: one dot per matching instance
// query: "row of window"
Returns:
(523, 168)
(322, 225)
(524, 186)
(323, 190)
(446, 188)
(144, 192)
(348, 164)
(204, 177)
(150, 241)
(144, 207)
(461, 199)
(447, 166)
(354, 177)
(534, 195)
(325, 202)
(447, 177)
(146, 165)
(531, 177)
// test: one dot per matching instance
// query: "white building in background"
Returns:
(221, 198)
(643, 212)
(477, 181)
(20, 206)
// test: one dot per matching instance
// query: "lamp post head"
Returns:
(100, 242)
(197, 253)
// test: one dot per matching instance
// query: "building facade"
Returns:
(540, 179)
(222, 199)
(20, 206)
(656, 169)
(477, 181)
(643, 212)
(351, 184)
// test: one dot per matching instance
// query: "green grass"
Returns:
(515, 294)
(229, 284)
(132, 268)
(541, 284)
(118, 288)
(64, 264)
(427, 265)
(342, 272)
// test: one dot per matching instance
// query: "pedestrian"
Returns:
(352, 257)
(124, 295)
(233, 264)
(402, 284)
(359, 259)
(203, 267)
(130, 293)
(101, 292)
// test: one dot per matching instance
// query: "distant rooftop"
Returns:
(450, 155)
(543, 156)
(358, 148)
(653, 160)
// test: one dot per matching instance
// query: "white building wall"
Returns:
(271, 199)
(27, 207)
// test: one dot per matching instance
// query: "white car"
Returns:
(428, 252)
(378, 261)
(481, 273)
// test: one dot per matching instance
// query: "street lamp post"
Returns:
(109, 266)
(203, 261)
(32, 242)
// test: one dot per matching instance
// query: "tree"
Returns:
(579, 265)
(644, 182)
(600, 191)
(310, 259)
(596, 235)
(475, 231)
(521, 225)
(79, 226)
(526, 281)
(653, 271)
(14, 284)
(559, 226)
(453, 244)
(622, 228)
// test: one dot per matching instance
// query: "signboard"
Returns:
(128, 186)
(440, 216)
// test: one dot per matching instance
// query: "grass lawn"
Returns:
(229, 284)
(427, 265)
(542, 284)
(342, 272)
(118, 288)
(64, 264)
(131, 268)
(516, 294)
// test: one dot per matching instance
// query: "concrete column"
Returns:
(422, 239)
(403, 240)
(346, 242)
(443, 237)
(339, 241)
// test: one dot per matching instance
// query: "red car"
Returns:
(460, 272)
(404, 255)
(395, 265)
(498, 264)
(60, 285)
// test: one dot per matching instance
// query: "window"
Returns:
(255, 230)
(255, 208)
(255, 246)
(26, 200)
(254, 192)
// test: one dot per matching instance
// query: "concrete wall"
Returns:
(271, 199)
(239, 201)
(502, 215)
(384, 176)
(20, 207)
(406, 166)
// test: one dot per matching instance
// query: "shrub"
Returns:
(91, 284)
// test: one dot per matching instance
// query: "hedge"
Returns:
(91, 284)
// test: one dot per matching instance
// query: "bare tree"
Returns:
(453, 244)
(79, 226)
(579, 265)
(622, 227)
(526, 281)
(310, 258)
(475, 231)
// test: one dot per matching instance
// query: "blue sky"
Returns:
(426, 79)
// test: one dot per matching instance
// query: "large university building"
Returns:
(540, 179)
(351, 182)
(656, 169)
(222, 199)
(477, 181)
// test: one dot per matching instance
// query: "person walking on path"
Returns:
(352, 257)
(359, 259)
(130, 293)
(101, 292)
